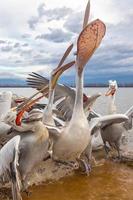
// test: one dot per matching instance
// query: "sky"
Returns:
(35, 33)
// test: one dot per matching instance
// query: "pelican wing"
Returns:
(112, 119)
(129, 123)
(9, 153)
(58, 121)
(63, 93)
(93, 114)
(104, 121)
(64, 96)
(4, 129)
(38, 82)
(65, 107)
(54, 132)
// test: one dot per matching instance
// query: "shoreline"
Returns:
(86, 86)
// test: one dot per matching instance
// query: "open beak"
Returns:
(25, 108)
(88, 41)
(110, 92)
(44, 90)
(58, 71)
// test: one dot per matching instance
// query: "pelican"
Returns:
(33, 140)
(16, 100)
(23, 152)
(113, 133)
(47, 114)
(73, 138)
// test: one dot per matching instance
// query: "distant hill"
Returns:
(67, 80)
(11, 82)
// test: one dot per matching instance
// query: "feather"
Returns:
(7, 155)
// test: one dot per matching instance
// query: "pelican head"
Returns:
(90, 101)
(112, 88)
(29, 103)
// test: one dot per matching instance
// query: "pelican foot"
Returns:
(117, 158)
(24, 188)
(107, 150)
(97, 163)
(27, 192)
(10, 131)
(47, 158)
(84, 166)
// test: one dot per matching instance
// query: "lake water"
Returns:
(112, 181)
(124, 97)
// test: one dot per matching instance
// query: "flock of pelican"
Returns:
(64, 129)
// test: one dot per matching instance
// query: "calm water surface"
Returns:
(124, 97)
(112, 181)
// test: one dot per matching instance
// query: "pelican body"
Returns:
(75, 137)
(32, 148)
(112, 133)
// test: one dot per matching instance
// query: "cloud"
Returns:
(6, 48)
(48, 14)
(16, 45)
(32, 22)
(56, 35)
(74, 22)
(26, 36)
(2, 41)
(53, 25)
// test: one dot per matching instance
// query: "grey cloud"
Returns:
(18, 61)
(25, 52)
(41, 10)
(49, 14)
(56, 35)
(6, 48)
(53, 14)
(115, 55)
(25, 45)
(26, 36)
(40, 59)
(2, 42)
(74, 22)
(32, 22)
(58, 13)
(16, 45)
